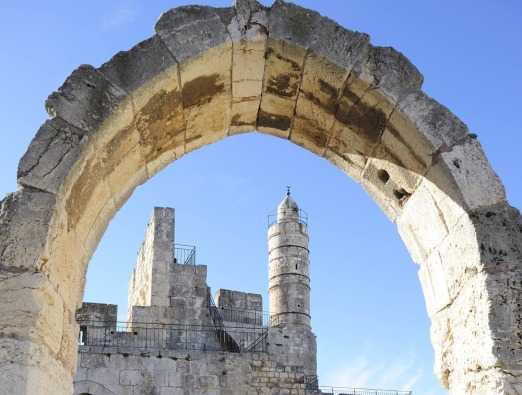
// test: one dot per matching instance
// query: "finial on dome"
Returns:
(288, 208)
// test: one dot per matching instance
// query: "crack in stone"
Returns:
(299, 90)
(62, 157)
(444, 148)
(44, 151)
(337, 104)
(440, 212)
(231, 104)
(265, 54)
(180, 87)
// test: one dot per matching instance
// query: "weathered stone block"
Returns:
(172, 391)
(34, 308)
(465, 174)
(131, 377)
(351, 164)
(317, 104)
(50, 156)
(87, 193)
(424, 127)
(25, 216)
(389, 72)
(434, 284)
(191, 30)
(427, 218)
(87, 99)
(248, 30)
(282, 78)
(129, 70)
(389, 183)
(29, 368)
(206, 94)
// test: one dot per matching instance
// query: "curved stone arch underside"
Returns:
(209, 73)
(87, 387)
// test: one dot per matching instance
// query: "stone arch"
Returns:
(209, 73)
(88, 387)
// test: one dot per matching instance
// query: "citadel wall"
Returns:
(200, 373)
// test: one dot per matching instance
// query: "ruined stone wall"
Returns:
(140, 281)
(230, 299)
(99, 312)
(149, 282)
(189, 294)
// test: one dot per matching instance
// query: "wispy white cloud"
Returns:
(401, 372)
(120, 14)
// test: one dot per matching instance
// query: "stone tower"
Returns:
(288, 272)
(292, 341)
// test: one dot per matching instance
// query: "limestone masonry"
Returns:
(177, 340)
(205, 74)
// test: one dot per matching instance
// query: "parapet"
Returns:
(97, 312)
(237, 300)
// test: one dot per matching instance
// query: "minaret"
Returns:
(288, 267)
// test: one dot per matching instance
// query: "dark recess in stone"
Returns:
(383, 176)
(268, 120)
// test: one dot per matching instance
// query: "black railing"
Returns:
(184, 254)
(311, 384)
(357, 391)
(215, 314)
(154, 336)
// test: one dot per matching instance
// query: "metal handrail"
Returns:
(146, 336)
(360, 391)
(184, 254)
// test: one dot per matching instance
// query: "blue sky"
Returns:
(367, 307)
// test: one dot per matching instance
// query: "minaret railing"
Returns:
(302, 218)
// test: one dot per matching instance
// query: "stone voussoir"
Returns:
(248, 30)
(129, 70)
(50, 156)
(191, 30)
(86, 99)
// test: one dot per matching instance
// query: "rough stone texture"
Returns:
(197, 37)
(248, 31)
(229, 299)
(86, 99)
(52, 152)
(146, 285)
(24, 220)
(180, 374)
(97, 312)
(323, 87)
